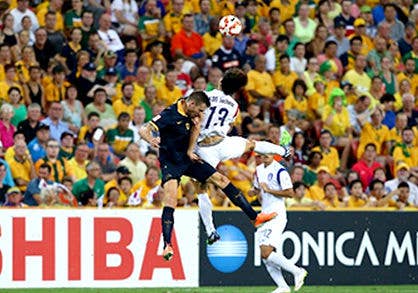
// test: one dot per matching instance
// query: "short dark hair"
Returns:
(403, 184)
(284, 56)
(356, 38)
(86, 196)
(150, 168)
(372, 144)
(93, 114)
(299, 82)
(355, 181)
(233, 80)
(123, 179)
(329, 43)
(46, 166)
(374, 183)
(13, 88)
(124, 115)
(125, 84)
(199, 97)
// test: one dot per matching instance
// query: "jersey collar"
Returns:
(180, 108)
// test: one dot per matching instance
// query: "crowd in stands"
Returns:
(79, 78)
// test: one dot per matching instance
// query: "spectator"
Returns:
(358, 77)
(86, 81)
(202, 19)
(330, 199)
(71, 49)
(311, 168)
(112, 197)
(72, 18)
(79, 162)
(170, 92)
(300, 200)
(133, 162)
(130, 66)
(172, 21)
(349, 57)
(6, 127)
(54, 121)
(74, 113)
(91, 182)
(298, 61)
(186, 42)
(109, 36)
(14, 198)
(22, 10)
(387, 101)
(359, 114)
(124, 16)
(345, 16)
(87, 28)
(304, 26)
(284, 78)
(274, 53)
(406, 151)
(357, 198)
(33, 89)
(408, 108)
(59, 167)
(32, 195)
(343, 44)
(403, 196)
(21, 165)
(212, 39)
(55, 36)
(366, 166)
(99, 106)
(120, 136)
(19, 109)
(226, 56)
(297, 104)
(37, 146)
(397, 29)
(330, 157)
(88, 199)
(402, 172)
(260, 84)
(8, 82)
(66, 146)
(106, 161)
(44, 51)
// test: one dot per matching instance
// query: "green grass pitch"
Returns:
(306, 289)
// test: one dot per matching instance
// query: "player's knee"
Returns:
(265, 251)
(219, 180)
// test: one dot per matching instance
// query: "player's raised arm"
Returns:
(194, 134)
(146, 133)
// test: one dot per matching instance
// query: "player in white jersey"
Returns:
(213, 144)
(272, 184)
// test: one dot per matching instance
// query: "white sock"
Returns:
(205, 210)
(276, 274)
(281, 261)
(264, 148)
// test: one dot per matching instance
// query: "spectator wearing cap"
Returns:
(55, 91)
(37, 146)
(32, 195)
(109, 61)
(21, 166)
(86, 81)
(59, 166)
(186, 42)
(330, 157)
(359, 113)
(170, 92)
(345, 16)
(66, 146)
(130, 66)
(397, 29)
(133, 162)
(14, 198)
(402, 172)
(406, 150)
(360, 31)
(91, 182)
(80, 160)
(125, 104)
(366, 14)
(109, 36)
(150, 27)
(121, 172)
(55, 122)
(18, 13)
(29, 126)
(317, 190)
(121, 136)
(99, 106)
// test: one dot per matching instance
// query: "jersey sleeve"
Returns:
(161, 121)
(284, 179)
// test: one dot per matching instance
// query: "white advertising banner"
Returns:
(96, 248)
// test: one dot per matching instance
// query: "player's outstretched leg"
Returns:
(268, 148)
(205, 210)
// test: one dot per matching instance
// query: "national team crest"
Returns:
(270, 176)
(187, 126)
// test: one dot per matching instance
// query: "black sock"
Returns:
(167, 222)
(239, 200)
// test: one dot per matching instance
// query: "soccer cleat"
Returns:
(263, 217)
(168, 252)
(212, 238)
(281, 290)
(300, 279)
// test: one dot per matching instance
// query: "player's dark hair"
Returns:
(199, 97)
(234, 79)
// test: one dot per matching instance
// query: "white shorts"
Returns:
(271, 232)
(230, 147)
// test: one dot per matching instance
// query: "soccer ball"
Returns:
(230, 26)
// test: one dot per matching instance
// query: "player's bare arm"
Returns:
(279, 193)
(146, 133)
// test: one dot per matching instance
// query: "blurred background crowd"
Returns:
(78, 78)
